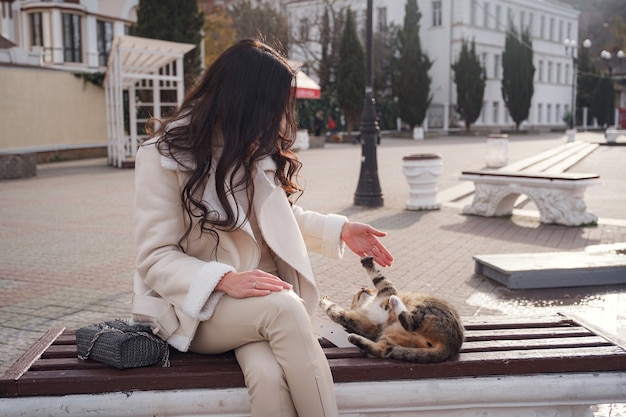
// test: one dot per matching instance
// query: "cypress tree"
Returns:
(351, 74)
(175, 21)
(602, 105)
(411, 82)
(518, 72)
(586, 81)
(470, 80)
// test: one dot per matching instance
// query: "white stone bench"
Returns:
(558, 196)
(613, 134)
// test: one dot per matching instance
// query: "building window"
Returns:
(498, 16)
(105, 40)
(569, 30)
(437, 13)
(522, 19)
(509, 16)
(36, 29)
(483, 60)
(566, 80)
(6, 7)
(560, 31)
(304, 29)
(72, 47)
(540, 71)
(496, 66)
(539, 113)
(548, 113)
(557, 113)
(549, 72)
(531, 22)
(483, 113)
(382, 19)
(486, 15)
(542, 28)
(473, 12)
(496, 111)
(551, 30)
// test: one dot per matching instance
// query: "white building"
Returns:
(446, 23)
(74, 35)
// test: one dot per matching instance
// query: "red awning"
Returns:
(306, 87)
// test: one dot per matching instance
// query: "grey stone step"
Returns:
(554, 269)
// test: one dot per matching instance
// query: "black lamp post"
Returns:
(368, 192)
(606, 56)
(570, 49)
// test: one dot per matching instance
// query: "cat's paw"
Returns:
(367, 262)
(355, 339)
(325, 302)
(394, 301)
(362, 343)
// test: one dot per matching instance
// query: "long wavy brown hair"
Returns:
(244, 106)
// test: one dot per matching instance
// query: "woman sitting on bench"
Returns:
(222, 258)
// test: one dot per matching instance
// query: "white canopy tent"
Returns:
(150, 72)
(306, 88)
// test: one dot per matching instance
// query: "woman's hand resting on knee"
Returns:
(254, 283)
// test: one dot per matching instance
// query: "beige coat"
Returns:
(174, 288)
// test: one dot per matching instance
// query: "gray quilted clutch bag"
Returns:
(121, 345)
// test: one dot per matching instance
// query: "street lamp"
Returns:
(571, 47)
(606, 57)
(368, 192)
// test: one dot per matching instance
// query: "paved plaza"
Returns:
(66, 244)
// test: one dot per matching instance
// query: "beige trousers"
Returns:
(285, 368)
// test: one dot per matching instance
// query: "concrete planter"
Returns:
(497, 151)
(418, 133)
(302, 140)
(422, 172)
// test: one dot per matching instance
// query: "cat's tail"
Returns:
(422, 355)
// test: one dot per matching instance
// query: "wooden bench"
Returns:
(550, 366)
(613, 134)
(558, 196)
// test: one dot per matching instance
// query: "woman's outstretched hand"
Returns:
(362, 239)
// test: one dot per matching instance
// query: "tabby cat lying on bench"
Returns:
(407, 326)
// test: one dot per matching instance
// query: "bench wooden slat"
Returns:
(8, 382)
(507, 322)
(474, 365)
(494, 346)
(575, 353)
(149, 378)
(551, 343)
(530, 333)
(566, 176)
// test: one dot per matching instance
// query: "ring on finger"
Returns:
(254, 285)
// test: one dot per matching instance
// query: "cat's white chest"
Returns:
(375, 312)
